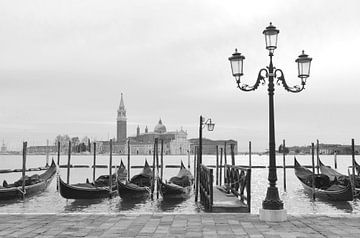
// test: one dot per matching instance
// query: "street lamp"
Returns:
(210, 126)
(272, 206)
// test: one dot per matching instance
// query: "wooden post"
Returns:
(250, 154)
(335, 159)
(153, 169)
(217, 165)
(68, 165)
(188, 159)
(128, 158)
(157, 171)
(94, 163)
(47, 154)
(220, 167)
(162, 158)
(232, 154)
(211, 190)
(24, 169)
(58, 163)
(313, 171)
(196, 174)
(284, 164)
(58, 153)
(353, 163)
(317, 156)
(225, 159)
(110, 167)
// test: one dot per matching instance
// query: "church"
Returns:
(142, 143)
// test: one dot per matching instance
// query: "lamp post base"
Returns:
(272, 215)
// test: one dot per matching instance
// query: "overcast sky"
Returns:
(64, 64)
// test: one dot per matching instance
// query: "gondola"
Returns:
(33, 184)
(336, 176)
(324, 189)
(87, 190)
(179, 186)
(138, 187)
(357, 168)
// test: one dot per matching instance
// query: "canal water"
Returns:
(50, 201)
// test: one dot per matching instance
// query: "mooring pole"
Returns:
(353, 163)
(68, 165)
(110, 168)
(225, 159)
(188, 152)
(24, 169)
(128, 158)
(335, 159)
(232, 154)
(317, 156)
(153, 169)
(94, 163)
(284, 164)
(157, 171)
(220, 167)
(47, 154)
(217, 165)
(162, 159)
(58, 153)
(313, 171)
(250, 154)
(196, 173)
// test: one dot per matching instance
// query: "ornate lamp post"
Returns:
(210, 126)
(272, 206)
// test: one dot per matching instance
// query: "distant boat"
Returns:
(323, 188)
(179, 186)
(138, 187)
(33, 185)
(87, 190)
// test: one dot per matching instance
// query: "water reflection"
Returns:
(12, 201)
(343, 206)
(131, 204)
(80, 204)
(170, 204)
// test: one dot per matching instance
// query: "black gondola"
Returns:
(99, 189)
(336, 176)
(324, 189)
(179, 186)
(139, 185)
(33, 184)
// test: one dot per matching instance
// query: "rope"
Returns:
(21, 191)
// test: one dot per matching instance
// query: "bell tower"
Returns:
(121, 122)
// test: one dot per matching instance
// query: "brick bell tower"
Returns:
(121, 122)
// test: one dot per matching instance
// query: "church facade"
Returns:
(174, 142)
(142, 143)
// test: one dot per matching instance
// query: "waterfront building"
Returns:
(41, 149)
(121, 125)
(3, 148)
(209, 146)
(174, 142)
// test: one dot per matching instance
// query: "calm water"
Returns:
(50, 201)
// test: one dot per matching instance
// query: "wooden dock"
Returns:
(223, 202)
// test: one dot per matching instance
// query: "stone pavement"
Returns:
(175, 225)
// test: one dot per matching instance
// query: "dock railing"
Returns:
(237, 179)
(206, 187)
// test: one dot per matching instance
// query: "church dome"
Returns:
(160, 128)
